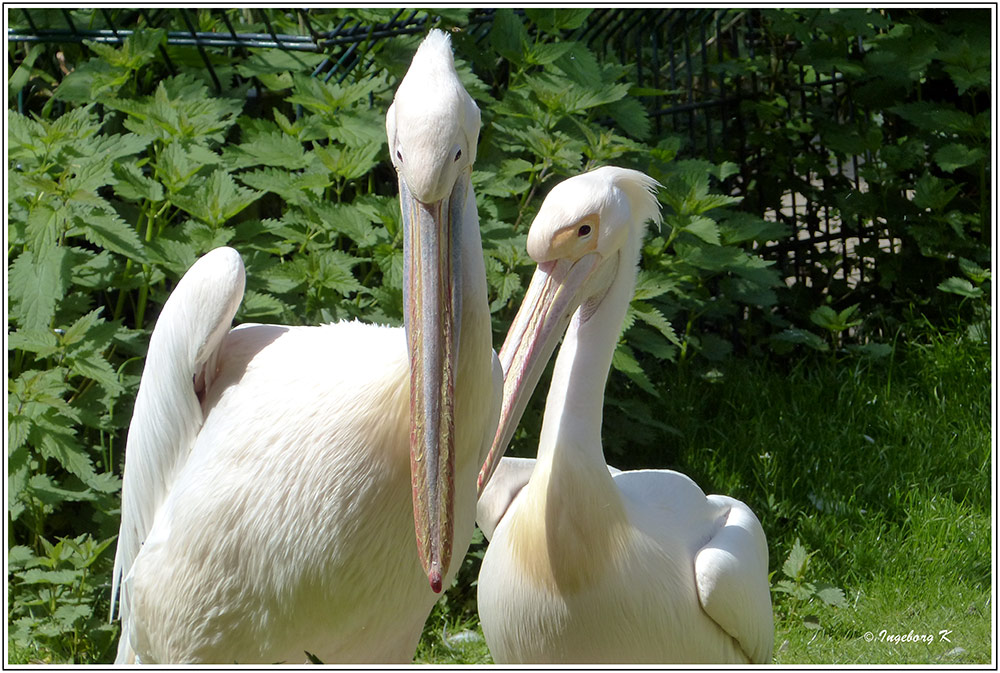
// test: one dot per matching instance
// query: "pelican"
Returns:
(586, 563)
(277, 478)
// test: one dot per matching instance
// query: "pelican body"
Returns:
(294, 490)
(588, 564)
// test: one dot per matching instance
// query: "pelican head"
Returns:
(433, 126)
(588, 227)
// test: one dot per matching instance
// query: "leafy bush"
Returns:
(900, 99)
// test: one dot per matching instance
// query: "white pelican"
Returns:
(266, 507)
(587, 564)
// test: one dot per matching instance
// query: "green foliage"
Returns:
(800, 591)
(879, 119)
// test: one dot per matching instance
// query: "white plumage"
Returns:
(587, 564)
(267, 506)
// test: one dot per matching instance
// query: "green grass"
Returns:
(880, 467)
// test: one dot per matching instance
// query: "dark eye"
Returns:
(458, 155)
(399, 155)
(583, 230)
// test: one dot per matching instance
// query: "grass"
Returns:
(880, 467)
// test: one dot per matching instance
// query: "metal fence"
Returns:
(680, 53)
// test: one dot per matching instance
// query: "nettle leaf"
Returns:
(332, 269)
(801, 336)
(92, 80)
(390, 262)
(41, 342)
(56, 441)
(632, 116)
(961, 287)
(580, 64)
(36, 285)
(133, 185)
(933, 192)
(293, 187)
(651, 342)
(111, 232)
(350, 162)
(796, 564)
(624, 361)
(830, 595)
(39, 576)
(43, 227)
(258, 305)
(651, 284)
(973, 271)
(544, 53)
(555, 20)
(327, 98)
(508, 35)
(704, 228)
(137, 48)
(739, 227)
(654, 318)
(269, 149)
(216, 201)
(92, 365)
(359, 129)
(181, 109)
(177, 165)
(24, 140)
(347, 219)
(953, 156)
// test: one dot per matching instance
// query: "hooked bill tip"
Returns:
(435, 578)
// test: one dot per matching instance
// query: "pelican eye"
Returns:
(584, 230)
(458, 155)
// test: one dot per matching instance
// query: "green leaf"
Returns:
(35, 287)
(112, 233)
(953, 156)
(350, 162)
(654, 318)
(624, 361)
(215, 202)
(831, 595)
(797, 562)
(132, 185)
(934, 193)
(294, 187)
(973, 271)
(554, 20)
(268, 149)
(38, 576)
(961, 287)
(801, 336)
(705, 229)
(41, 342)
(20, 78)
(508, 36)
(631, 116)
(739, 227)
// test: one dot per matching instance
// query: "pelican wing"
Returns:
(494, 417)
(731, 574)
(507, 481)
(180, 366)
